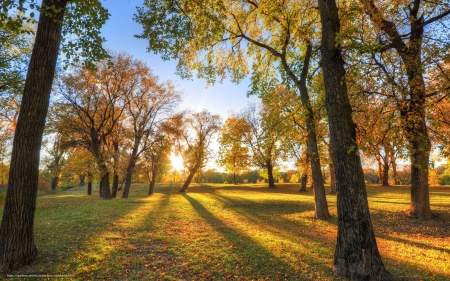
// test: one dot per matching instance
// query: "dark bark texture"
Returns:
(356, 256)
(17, 247)
(270, 175)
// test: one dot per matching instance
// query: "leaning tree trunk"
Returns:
(270, 174)
(190, 177)
(17, 247)
(129, 177)
(320, 200)
(356, 256)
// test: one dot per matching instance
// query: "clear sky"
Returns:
(119, 32)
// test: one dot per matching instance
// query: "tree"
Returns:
(232, 154)
(276, 37)
(150, 104)
(194, 133)
(356, 256)
(95, 105)
(409, 36)
(17, 247)
(157, 159)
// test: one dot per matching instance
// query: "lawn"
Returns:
(226, 232)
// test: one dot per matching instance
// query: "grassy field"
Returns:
(226, 232)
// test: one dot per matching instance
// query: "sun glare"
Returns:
(177, 162)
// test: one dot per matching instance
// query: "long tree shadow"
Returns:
(245, 247)
(284, 227)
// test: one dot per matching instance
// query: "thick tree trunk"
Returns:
(17, 247)
(129, 177)
(89, 191)
(234, 178)
(105, 191)
(356, 255)
(270, 175)
(54, 184)
(115, 185)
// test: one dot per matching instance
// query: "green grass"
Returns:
(226, 232)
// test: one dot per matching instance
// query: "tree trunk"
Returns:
(412, 109)
(82, 180)
(129, 177)
(115, 185)
(151, 187)
(303, 182)
(54, 183)
(394, 170)
(380, 170)
(385, 174)
(356, 256)
(105, 191)
(320, 200)
(270, 175)
(190, 177)
(332, 172)
(17, 247)
(89, 192)
(234, 178)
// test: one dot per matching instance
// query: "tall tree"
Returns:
(95, 105)
(409, 33)
(151, 103)
(17, 247)
(356, 255)
(277, 35)
(232, 154)
(194, 133)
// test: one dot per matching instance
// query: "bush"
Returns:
(444, 180)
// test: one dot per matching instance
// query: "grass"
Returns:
(226, 232)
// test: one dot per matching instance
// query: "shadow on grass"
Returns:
(244, 246)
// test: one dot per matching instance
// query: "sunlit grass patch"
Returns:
(227, 232)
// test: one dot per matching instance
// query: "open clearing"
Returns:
(226, 232)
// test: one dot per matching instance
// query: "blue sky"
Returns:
(119, 32)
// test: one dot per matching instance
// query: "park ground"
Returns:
(225, 232)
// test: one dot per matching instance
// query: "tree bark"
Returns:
(190, 177)
(332, 172)
(320, 200)
(356, 256)
(115, 185)
(151, 187)
(303, 182)
(105, 191)
(17, 247)
(270, 175)
(412, 108)
(394, 170)
(129, 177)
(54, 184)
(89, 191)
(385, 174)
